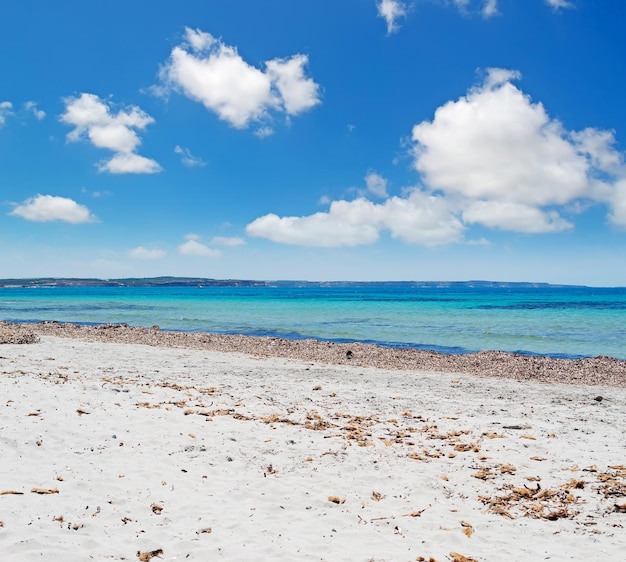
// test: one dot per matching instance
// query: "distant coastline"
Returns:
(167, 281)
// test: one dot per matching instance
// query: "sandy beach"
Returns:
(132, 444)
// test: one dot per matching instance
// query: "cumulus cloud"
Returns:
(208, 71)
(321, 229)
(510, 162)
(376, 184)
(495, 143)
(6, 110)
(142, 253)
(599, 146)
(31, 106)
(48, 208)
(508, 215)
(187, 158)
(391, 11)
(297, 92)
(95, 120)
(419, 218)
(493, 158)
(193, 247)
(129, 163)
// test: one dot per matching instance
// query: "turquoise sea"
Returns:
(452, 318)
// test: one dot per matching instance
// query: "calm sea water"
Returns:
(556, 321)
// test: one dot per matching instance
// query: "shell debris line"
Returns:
(592, 371)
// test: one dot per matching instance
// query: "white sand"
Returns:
(207, 455)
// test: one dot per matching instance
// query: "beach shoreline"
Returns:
(114, 449)
(600, 371)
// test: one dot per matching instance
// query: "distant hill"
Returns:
(204, 282)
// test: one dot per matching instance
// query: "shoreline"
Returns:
(597, 371)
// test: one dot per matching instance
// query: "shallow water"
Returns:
(545, 320)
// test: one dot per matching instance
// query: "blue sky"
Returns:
(320, 140)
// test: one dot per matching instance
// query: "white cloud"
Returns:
(617, 216)
(495, 143)
(187, 158)
(210, 72)
(94, 120)
(6, 110)
(142, 253)
(418, 219)
(199, 40)
(325, 200)
(193, 247)
(484, 8)
(498, 77)
(321, 229)
(510, 164)
(48, 208)
(490, 8)
(376, 184)
(391, 11)
(264, 132)
(129, 163)
(421, 218)
(600, 148)
(558, 4)
(32, 107)
(518, 217)
(298, 93)
(493, 158)
(227, 241)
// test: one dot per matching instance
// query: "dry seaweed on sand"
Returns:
(157, 509)
(45, 491)
(336, 499)
(456, 557)
(612, 482)
(149, 555)
(536, 503)
(468, 529)
(417, 513)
